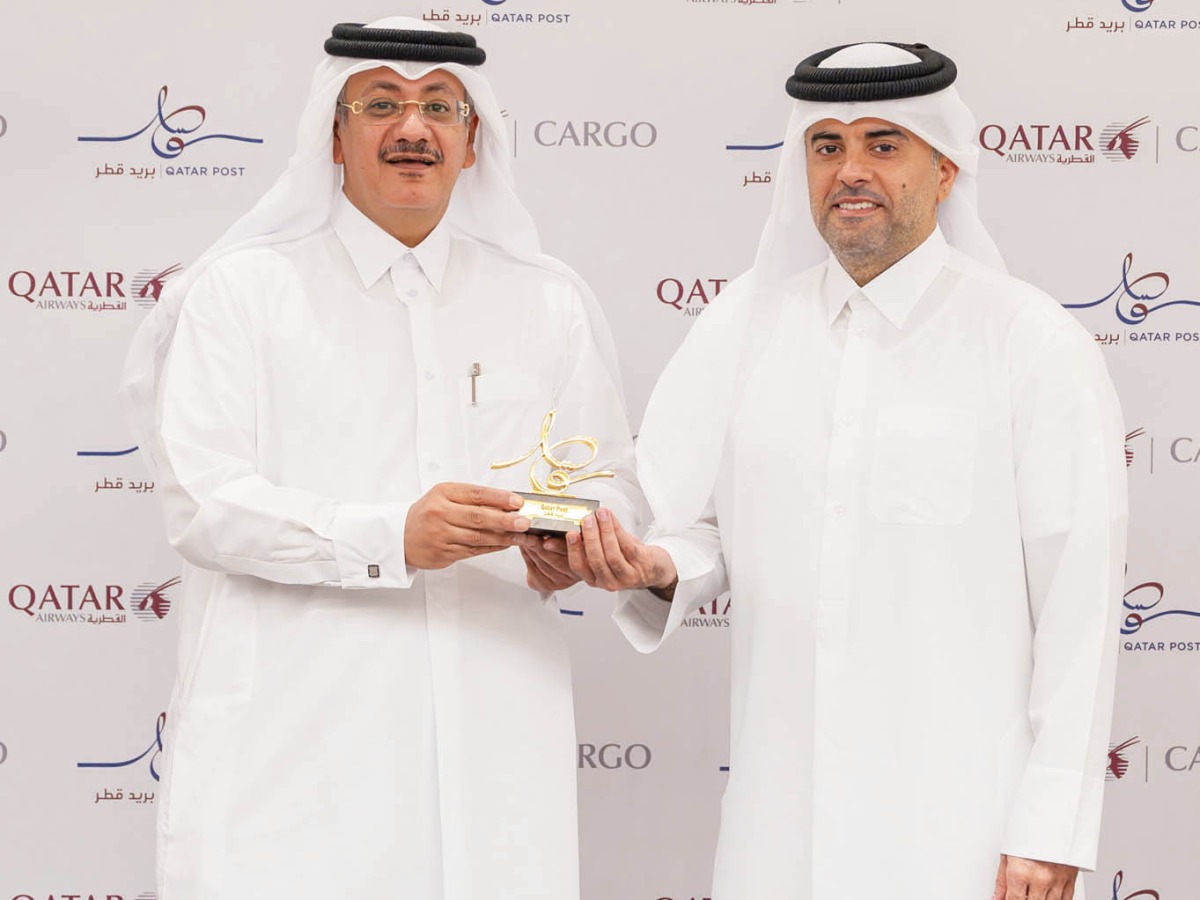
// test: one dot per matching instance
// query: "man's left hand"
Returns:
(546, 566)
(1031, 879)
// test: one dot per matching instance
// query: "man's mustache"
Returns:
(402, 147)
(855, 194)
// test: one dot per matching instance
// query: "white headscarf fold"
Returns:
(483, 205)
(693, 402)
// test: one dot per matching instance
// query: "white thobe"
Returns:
(342, 724)
(920, 514)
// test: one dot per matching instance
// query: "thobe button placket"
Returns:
(413, 289)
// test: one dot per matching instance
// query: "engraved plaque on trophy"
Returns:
(548, 506)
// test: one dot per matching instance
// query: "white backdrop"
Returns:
(626, 116)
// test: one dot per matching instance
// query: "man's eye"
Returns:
(437, 106)
(885, 148)
(382, 106)
(827, 149)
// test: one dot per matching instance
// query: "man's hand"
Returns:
(459, 521)
(547, 567)
(1029, 879)
(606, 555)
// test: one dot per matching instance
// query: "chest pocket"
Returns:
(504, 422)
(923, 472)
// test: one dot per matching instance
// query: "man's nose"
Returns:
(856, 167)
(410, 122)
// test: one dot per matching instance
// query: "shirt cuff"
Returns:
(646, 619)
(1056, 817)
(368, 544)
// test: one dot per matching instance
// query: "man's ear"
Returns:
(947, 172)
(337, 143)
(469, 160)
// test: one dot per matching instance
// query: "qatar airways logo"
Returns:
(689, 296)
(714, 614)
(92, 604)
(170, 132)
(89, 290)
(1049, 143)
(84, 895)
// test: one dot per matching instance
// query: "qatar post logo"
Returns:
(1134, 298)
(87, 290)
(499, 12)
(1150, 602)
(1121, 892)
(753, 154)
(148, 758)
(170, 132)
(92, 604)
(1066, 144)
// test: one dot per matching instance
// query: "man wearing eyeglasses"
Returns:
(374, 697)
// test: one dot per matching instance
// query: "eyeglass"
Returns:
(387, 111)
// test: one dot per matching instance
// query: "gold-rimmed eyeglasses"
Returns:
(388, 110)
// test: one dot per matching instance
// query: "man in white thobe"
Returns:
(373, 697)
(906, 466)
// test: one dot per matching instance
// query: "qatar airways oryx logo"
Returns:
(1118, 759)
(84, 603)
(89, 290)
(1060, 143)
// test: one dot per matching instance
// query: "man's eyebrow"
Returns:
(824, 136)
(435, 88)
(887, 132)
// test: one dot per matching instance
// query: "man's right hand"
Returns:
(458, 521)
(605, 555)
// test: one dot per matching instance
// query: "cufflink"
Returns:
(372, 571)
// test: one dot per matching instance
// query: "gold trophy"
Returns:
(549, 508)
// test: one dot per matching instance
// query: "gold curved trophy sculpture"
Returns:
(549, 508)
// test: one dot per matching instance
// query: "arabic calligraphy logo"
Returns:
(1142, 291)
(148, 285)
(1119, 142)
(1118, 765)
(1137, 6)
(105, 452)
(1136, 433)
(1116, 893)
(153, 751)
(1142, 599)
(170, 136)
(150, 601)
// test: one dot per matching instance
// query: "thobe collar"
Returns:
(894, 291)
(374, 251)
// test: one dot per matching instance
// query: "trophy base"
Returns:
(552, 515)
